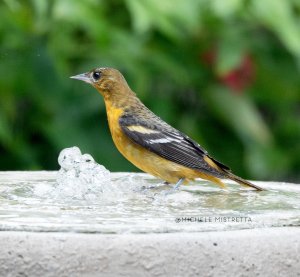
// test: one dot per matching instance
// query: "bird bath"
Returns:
(111, 222)
(32, 201)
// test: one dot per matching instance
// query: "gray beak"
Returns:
(82, 77)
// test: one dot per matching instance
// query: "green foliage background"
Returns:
(177, 56)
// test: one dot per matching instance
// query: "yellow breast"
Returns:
(141, 157)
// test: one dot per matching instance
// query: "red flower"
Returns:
(236, 79)
(241, 77)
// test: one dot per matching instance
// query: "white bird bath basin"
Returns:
(50, 230)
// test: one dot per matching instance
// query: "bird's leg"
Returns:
(177, 185)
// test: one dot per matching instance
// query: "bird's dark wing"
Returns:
(167, 142)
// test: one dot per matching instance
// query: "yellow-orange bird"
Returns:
(150, 143)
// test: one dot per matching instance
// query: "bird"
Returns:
(150, 143)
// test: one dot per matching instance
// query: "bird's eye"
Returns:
(96, 75)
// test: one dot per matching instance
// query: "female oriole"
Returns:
(150, 143)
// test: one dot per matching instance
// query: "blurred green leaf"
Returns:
(231, 51)
(5, 131)
(240, 113)
(266, 162)
(279, 16)
(226, 9)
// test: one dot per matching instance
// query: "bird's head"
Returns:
(108, 81)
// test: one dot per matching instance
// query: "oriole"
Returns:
(150, 143)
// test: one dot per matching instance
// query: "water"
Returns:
(85, 197)
(31, 201)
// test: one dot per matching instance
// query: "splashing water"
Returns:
(84, 196)
(80, 176)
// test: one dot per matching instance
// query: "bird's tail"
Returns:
(228, 174)
(241, 181)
